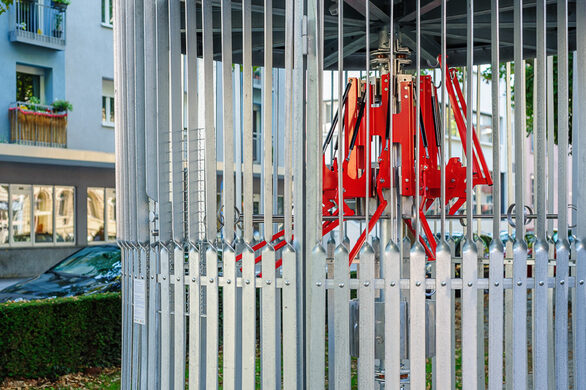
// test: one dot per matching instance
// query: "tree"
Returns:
(529, 79)
(4, 4)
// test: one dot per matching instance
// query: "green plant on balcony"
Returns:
(58, 32)
(62, 106)
(60, 4)
(33, 104)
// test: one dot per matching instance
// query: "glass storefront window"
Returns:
(111, 213)
(64, 214)
(20, 197)
(95, 214)
(4, 231)
(43, 214)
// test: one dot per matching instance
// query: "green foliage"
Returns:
(529, 88)
(62, 105)
(52, 337)
(34, 101)
(64, 2)
(4, 4)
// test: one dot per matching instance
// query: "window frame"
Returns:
(32, 242)
(104, 213)
(107, 14)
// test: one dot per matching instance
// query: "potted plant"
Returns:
(62, 106)
(60, 4)
(58, 32)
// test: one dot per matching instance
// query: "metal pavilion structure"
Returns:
(205, 305)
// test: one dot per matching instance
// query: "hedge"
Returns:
(52, 337)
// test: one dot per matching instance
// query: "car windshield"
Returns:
(93, 261)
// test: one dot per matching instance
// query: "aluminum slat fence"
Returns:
(208, 304)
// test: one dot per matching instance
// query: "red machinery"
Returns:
(404, 129)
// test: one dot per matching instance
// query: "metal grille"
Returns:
(441, 245)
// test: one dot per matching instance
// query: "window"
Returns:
(20, 199)
(108, 103)
(30, 83)
(4, 234)
(111, 213)
(101, 214)
(64, 214)
(107, 14)
(43, 213)
(36, 215)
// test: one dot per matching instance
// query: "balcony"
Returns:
(38, 125)
(38, 24)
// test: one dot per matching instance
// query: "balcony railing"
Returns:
(36, 124)
(38, 24)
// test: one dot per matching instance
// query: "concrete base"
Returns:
(25, 262)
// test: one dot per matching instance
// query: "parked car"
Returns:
(91, 270)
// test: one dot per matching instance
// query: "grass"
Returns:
(93, 379)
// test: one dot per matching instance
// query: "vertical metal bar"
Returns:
(509, 244)
(563, 246)
(469, 315)
(267, 120)
(247, 116)
(248, 319)
(368, 108)
(288, 144)
(228, 256)
(165, 319)
(392, 299)
(290, 381)
(194, 319)
(195, 163)
(540, 314)
(212, 313)
(519, 342)
(341, 116)
(177, 190)
(417, 111)
(496, 266)
(210, 131)
(469, 124)
(366, 322)
(316, 319)
(268, 316)
(154, 323)
(579, 148)
(179, 317)
(299, 195)
(417, 316)
(341, 292)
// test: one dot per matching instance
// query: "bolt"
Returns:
(406, 180)
(496, 284)
(193, 279)
(386, 89)
(164, 277)
(178, 278)
(247, 281)
(581, 282)
(393, 284)
(453, 180)
(469, 284)
(443, 283)
(418, 283)
(341, 285)
(152, 276)
(318, 284)
(562, 282)
(228, 281)
(406, 97)
(366, 284)
(519, 283)
(541, 283)
(287, 282)
(211, 280)
(268, 282)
